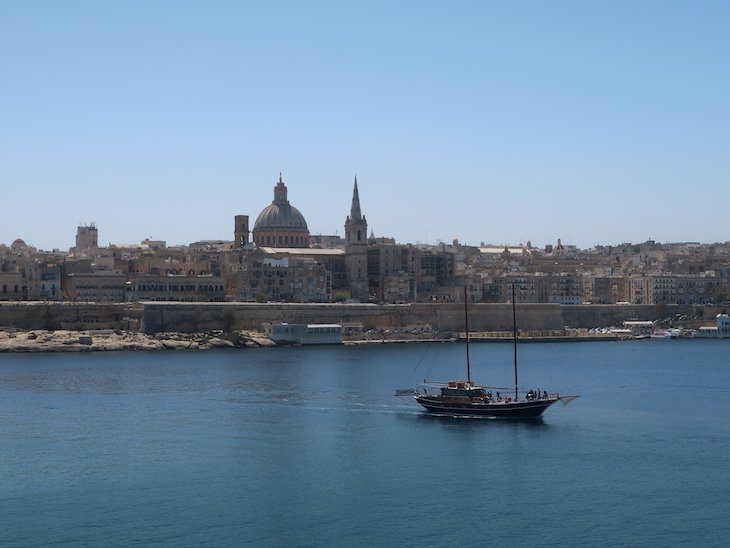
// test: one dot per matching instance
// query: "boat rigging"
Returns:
(466, 398)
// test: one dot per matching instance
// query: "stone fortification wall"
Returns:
(191, 317)
(154, 317)
(484, 317)
(73, 316)
(603, 315)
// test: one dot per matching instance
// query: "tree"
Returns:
(228, 318)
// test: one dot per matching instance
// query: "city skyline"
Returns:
(596, 124)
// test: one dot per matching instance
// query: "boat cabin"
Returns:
(462, 389)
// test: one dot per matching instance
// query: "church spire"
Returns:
(356, 250)
(355, 213)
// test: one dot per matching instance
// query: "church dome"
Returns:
(18, 245)
(280, 216)
(281, 224)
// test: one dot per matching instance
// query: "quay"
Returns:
(353, 342)
(540, 336)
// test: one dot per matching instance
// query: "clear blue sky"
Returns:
(502, 122)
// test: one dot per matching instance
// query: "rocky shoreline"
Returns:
(116, 340)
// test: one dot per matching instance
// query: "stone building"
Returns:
(393, 272)
(87, 239)
(282, 275)
(683, 289)
(11, 284)
(564, 288)
(609, 290)
(437, 270)
(99, 287)
(44, 282)
(34, 277)
(639, 290)
(176, 287)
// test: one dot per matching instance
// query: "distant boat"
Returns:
(466, 398)
(666, 334)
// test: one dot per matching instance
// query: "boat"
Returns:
(469, 399)
(665, 334)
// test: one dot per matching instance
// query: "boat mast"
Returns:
(466, 327)
(514, 334)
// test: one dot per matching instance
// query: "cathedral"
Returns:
(280, 235)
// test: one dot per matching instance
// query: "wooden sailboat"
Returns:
(466, 398)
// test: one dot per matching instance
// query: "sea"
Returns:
(308, 446)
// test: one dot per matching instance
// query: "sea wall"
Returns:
(190, 317)
(602, 315)
(156, 317)
(65, 315)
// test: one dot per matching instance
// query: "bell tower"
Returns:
(240, 230)
(356, 249)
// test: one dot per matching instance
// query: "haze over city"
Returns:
(480, 121)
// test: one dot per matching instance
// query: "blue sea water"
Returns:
(309, 447)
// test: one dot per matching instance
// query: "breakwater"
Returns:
(156, 317)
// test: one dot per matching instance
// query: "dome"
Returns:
(280, 216)
(281, 224)
(18, 245)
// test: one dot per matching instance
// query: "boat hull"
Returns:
(497, 410)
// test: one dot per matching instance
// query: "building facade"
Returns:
(276, 275)
(176, 287)
(99, 287)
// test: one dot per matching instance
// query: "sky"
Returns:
(499, 122)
